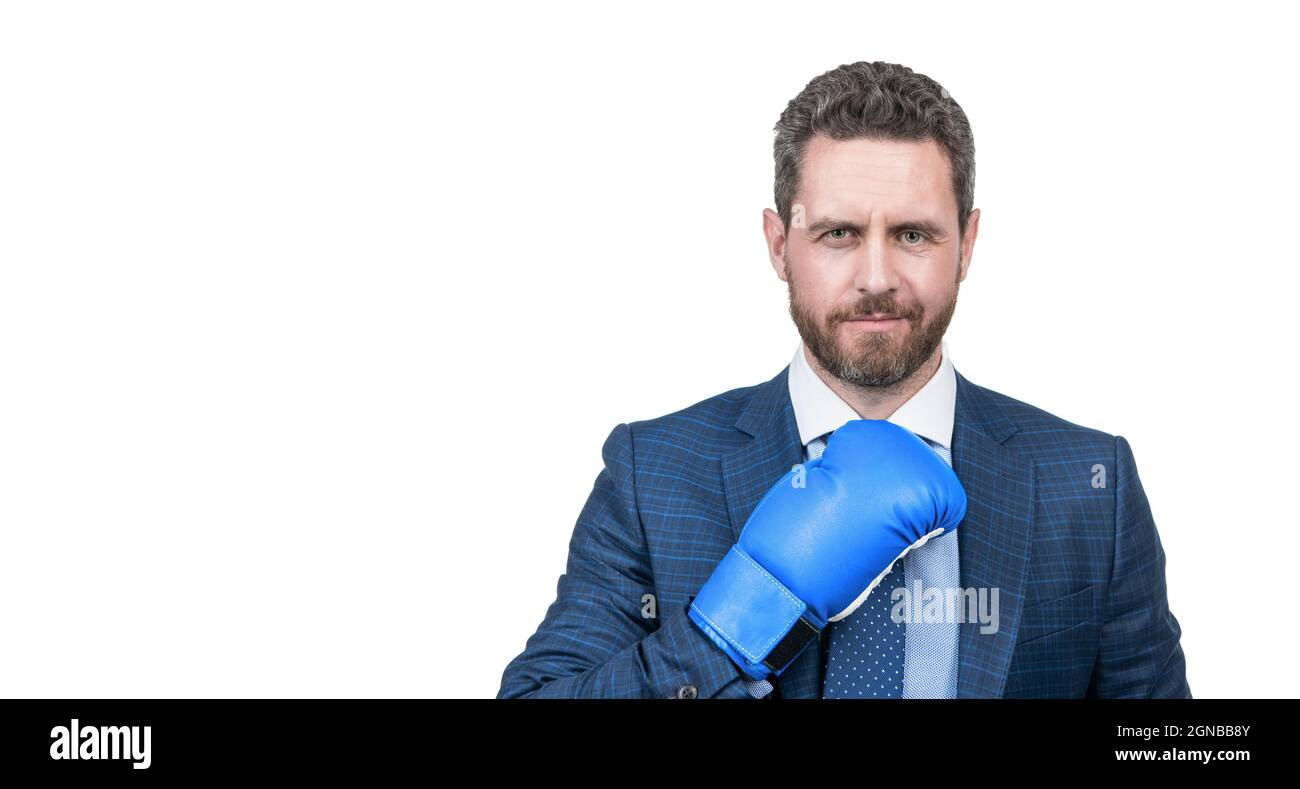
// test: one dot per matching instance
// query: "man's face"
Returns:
(873, 259)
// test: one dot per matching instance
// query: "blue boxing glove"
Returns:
(821, 539)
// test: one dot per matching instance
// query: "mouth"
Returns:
(876, 322)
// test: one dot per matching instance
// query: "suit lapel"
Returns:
(751, 469)
(994, 537)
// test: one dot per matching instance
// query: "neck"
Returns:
(878, 402)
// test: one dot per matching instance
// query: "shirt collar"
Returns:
(928, 413)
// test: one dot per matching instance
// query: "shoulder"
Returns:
(705, 429)
(1037, 431)
(713, 416)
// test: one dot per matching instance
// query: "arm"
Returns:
(1140, 655)
(594, 641)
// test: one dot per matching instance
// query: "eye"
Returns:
(837, 237)
(919, 237)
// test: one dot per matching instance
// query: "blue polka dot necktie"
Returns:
(865, 656)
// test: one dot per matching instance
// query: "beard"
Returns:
(877, 359)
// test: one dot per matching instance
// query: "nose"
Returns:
(874, 270)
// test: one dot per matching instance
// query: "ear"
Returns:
(774, 233)
(968, 243)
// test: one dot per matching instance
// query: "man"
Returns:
(1048, 530)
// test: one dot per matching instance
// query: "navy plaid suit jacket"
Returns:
(1079, 568)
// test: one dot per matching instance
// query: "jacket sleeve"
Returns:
(1140, 655)
(597, 639)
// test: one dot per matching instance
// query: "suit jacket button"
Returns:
(686, 692)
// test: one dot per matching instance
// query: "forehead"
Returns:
(857, 176)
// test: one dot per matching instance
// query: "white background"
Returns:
(314, 316)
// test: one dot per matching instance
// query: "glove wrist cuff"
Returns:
(756, 620)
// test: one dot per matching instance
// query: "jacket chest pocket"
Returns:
(1040, 620)
(1056, 647)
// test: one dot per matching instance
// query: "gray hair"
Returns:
(879, 101)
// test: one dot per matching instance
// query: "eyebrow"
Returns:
(831, 223)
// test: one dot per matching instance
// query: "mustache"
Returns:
(875, 305)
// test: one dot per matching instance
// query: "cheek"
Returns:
(821, 286)
(817, 301)
(932, 292)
